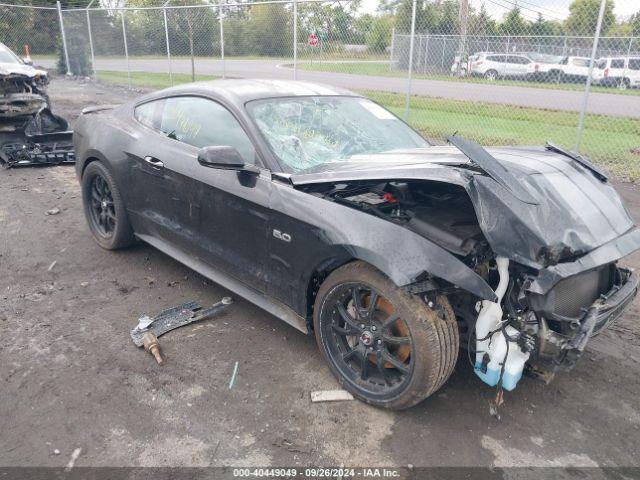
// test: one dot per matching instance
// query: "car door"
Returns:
(518, 65)
(223, 214)
(633, 72)
(150, 188)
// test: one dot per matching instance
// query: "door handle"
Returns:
(154, 162)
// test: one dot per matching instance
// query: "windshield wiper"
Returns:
(599, 174)
(492, 167)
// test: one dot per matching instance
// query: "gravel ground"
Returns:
(71, 378)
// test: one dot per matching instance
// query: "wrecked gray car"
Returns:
(30, 134)
(334, 215)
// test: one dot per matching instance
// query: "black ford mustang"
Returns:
(332, 214)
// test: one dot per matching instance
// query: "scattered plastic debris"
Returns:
(53, 264)
(330, 396)
(53, 211)
(234, 375)
(72, 461)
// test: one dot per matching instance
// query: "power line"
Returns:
(525, 14)
(512, 4)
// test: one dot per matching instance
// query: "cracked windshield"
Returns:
(305, 132)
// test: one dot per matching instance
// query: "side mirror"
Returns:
(225, 158)
(27, 61)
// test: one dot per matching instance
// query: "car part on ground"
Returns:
(392, 251)
(45, 139)
(175, 317)
(151, 345)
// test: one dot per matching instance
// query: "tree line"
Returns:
(267, 29)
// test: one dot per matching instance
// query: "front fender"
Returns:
(401, 254)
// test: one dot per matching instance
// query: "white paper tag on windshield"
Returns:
(377, 110)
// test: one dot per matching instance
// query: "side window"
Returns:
(617, 63)
(581, 62)
(634, 64)
(149, 113)
(496, 58)
(203, 123)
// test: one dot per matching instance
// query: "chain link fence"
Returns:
(497, 73)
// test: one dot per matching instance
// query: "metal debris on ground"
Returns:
(151, 345)
(330, 396)
(175, 317)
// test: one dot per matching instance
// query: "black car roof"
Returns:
(240, 91)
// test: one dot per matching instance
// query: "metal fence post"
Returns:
(391, 49)
(585, 97)
(93, 57)
(126, 48)
(166, 39)
(221, 17)
(411, 41)
(295, 39)
(64, 38)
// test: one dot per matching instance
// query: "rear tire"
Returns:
(104, 209)
(388, 363)
(624, 84)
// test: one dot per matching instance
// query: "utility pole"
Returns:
(463, 17)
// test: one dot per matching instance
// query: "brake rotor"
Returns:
(397, 328)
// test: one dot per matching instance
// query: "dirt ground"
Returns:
(70, 376)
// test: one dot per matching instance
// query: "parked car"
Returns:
(621, 72)
(498, 65)
(465, 68)
(575, 69)
(544, 67)
(334, 215)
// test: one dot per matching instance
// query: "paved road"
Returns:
(602, 103)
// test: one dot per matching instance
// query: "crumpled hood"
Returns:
(20, 69)
(575, 211)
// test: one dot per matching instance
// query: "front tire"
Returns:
(384, 345)
(491, 75)
(104, 209)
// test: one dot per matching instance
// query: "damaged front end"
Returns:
(30, 134)
(544, 232)
(545, 330)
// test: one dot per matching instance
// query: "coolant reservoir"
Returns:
(493, 352)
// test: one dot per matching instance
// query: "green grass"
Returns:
(147, 80)
(382, 69)
(607, 140)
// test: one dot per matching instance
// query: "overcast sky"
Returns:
(550, 9)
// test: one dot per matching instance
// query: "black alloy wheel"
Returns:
(102, 209)
(387, 347)
(366, 340)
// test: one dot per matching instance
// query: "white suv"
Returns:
(575, 69)
(621, 72)
(499, 65)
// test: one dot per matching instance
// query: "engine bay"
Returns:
(438, 212)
